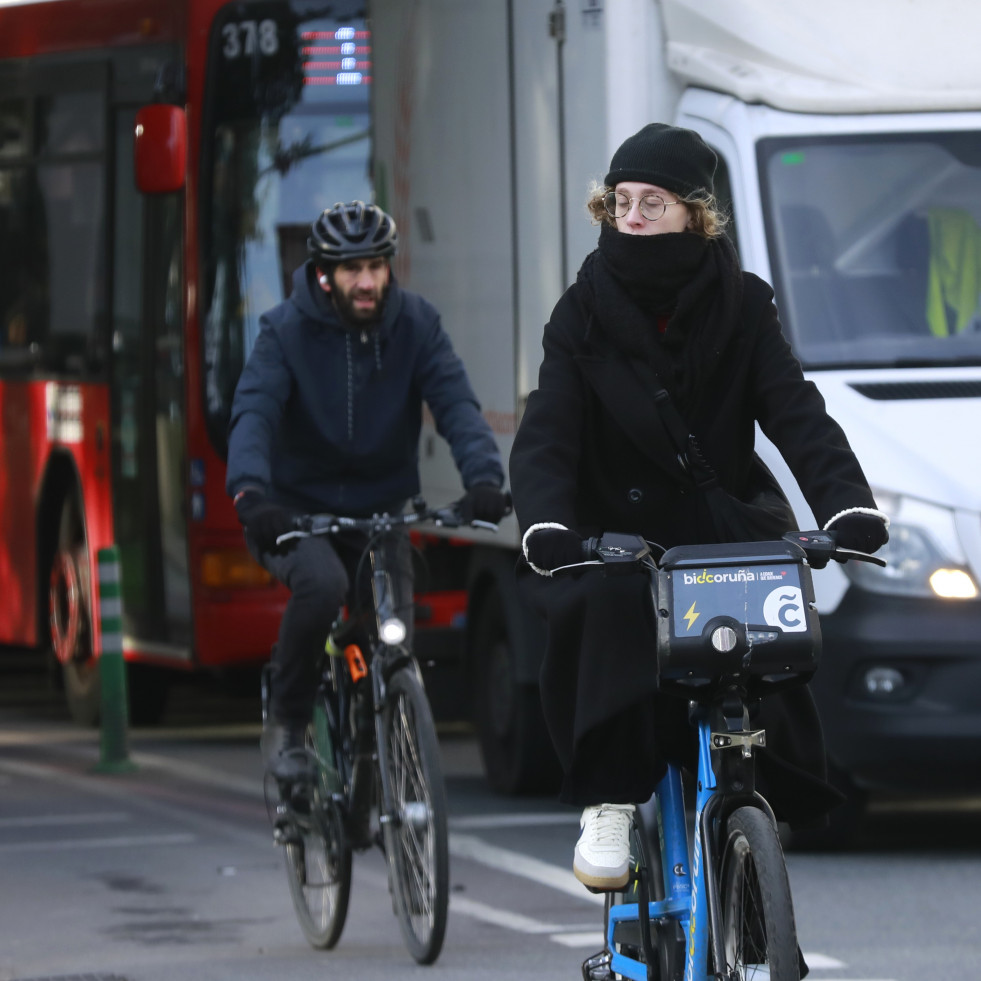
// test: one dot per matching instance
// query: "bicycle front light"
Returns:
(392, 631)
(924, 555)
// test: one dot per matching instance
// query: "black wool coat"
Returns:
(592, 454)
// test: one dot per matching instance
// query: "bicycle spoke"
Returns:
(410, 789)
(318, 859)
(416, 834)
(760, 940)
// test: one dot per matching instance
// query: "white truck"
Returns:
(849, 143)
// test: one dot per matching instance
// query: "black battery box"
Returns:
(740, 613)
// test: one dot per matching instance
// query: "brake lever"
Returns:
(821, 547)
(447, 517)
(848, 554)
(486, 525)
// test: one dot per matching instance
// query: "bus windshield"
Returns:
(287, 134)
(875, 247)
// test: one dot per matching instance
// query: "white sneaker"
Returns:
(602, 856)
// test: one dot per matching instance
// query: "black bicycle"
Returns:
(377, 779)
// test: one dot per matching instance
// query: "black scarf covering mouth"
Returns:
(697, 282)
(652, 269)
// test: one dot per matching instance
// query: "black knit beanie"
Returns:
(677, 159)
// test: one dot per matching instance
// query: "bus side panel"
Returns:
(235, 628)
(30, 29)
(37, 421)
(19, 478)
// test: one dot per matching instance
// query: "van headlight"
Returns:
(924, 556)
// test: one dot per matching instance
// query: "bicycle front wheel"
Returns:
(318, 858)
(415, 833)
(759, 935)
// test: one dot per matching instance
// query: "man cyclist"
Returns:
(326, 417)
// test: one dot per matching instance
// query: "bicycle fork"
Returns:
(389, 658)
(691, 896)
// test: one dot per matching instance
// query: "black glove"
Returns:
(484, 502)
(265, 521)
(552, 548)
(860, 532)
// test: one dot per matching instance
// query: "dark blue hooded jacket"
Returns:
(327, 417)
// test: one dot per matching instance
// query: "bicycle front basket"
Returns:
(740, 613)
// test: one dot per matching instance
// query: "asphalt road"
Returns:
(168, 871)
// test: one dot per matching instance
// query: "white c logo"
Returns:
(784, 608)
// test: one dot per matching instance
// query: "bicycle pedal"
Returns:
(286, 833)
(283, 836)
(598, 967)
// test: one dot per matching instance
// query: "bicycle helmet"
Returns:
(352, 231)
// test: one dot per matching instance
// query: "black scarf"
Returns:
(631, 280)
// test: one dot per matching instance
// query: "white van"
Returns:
(849, 140)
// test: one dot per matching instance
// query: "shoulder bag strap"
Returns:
(690, 454)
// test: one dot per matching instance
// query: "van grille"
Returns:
(893, 391)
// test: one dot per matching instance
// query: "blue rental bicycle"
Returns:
(735, 623)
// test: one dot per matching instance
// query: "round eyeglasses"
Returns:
(652, 206)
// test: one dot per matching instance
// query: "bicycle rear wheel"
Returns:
(415, 835)
(759, 934)
(318, 858)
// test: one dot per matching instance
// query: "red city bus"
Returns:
(126, 316)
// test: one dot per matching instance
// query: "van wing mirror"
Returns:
(160, 149)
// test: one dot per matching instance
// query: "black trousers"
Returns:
(322, 574)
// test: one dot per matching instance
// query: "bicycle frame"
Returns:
(382, 660)
(376, 753)
(689, 892)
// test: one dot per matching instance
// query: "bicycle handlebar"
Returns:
(445, 516)
(627, 551)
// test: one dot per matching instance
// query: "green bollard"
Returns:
(114, 755)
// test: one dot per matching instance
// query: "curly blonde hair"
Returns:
(706, 217)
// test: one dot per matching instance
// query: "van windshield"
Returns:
(875, 247)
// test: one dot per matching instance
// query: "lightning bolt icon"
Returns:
(691, 616)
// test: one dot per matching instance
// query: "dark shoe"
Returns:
(284, 753)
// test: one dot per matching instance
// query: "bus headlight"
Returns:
(924, 555)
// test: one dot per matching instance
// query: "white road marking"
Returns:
(819, 962)
(516, 863)
(71, 844)
(500, 917)
(201, 774)
(593, 939)
(476, 822)
(49, 820)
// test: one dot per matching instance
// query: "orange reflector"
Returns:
(222, 568)
(355, 662)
